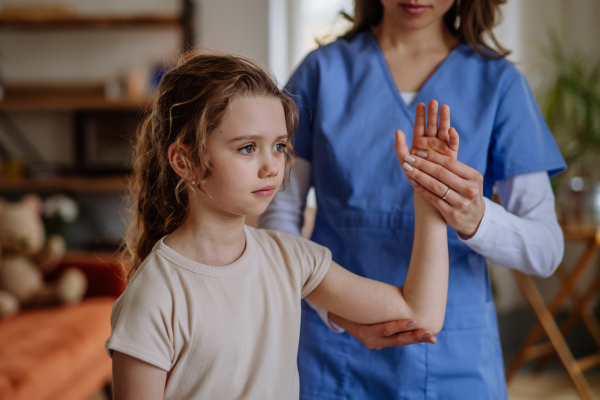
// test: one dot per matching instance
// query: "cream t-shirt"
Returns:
(227, 332)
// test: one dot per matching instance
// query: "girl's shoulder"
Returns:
(152, 276)
(273, 237)
(290, 246)
(304, 261)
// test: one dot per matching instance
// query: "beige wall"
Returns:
(523, 29)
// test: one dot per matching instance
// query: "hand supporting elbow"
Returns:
(432, 323)
(429, 316)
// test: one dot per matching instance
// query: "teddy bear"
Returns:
(27, 256)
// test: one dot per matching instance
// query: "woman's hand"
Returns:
(453, 188)
(463, 206)
(388, 334)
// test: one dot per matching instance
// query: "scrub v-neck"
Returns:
(409, 109)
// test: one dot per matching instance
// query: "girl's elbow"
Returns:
(436, 326)
(433, 323)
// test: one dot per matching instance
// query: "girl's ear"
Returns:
(179, 157)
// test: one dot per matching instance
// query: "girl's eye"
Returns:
(247, 149)
(279, 147)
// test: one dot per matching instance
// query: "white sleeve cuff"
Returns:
(482, 233)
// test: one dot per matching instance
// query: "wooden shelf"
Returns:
(91, 22)
(68, 184)
(582, 232)
(64, 97)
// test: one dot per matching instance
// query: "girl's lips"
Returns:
(265, 192)
(414, 9)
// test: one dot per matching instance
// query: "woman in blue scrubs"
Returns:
(353, 94)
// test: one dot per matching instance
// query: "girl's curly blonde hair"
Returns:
(192, 100)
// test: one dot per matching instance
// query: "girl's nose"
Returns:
(269, 166)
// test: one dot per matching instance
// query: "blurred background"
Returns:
(76, 77)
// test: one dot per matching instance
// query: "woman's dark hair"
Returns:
(469, 20)
(192, 101)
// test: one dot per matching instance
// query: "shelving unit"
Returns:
(81, 99)
(65, 97)
(64, 184)
(183, 21)
(92, 22)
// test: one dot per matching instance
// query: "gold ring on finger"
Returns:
(446, 194)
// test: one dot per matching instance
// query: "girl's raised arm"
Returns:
(135, 379)
(423, 295)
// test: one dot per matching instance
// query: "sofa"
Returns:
(58, 353)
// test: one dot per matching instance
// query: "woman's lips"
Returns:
(414, 9)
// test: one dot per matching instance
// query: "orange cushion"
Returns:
(42, 351)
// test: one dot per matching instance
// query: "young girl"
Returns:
(213, 309)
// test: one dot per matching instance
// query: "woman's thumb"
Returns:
(400, 145)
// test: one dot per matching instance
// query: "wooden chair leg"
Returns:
(549, 326)
(592, 324)
(581, 302)
(566, 289)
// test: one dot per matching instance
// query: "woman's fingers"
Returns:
(403, 339)
(453, 141)
(433, 174)
(444, 123)
(419, 129)
(399, 339)
(400, 146)
(432, 184)
(432, 119)
(452, 165)
(443, 206)
(387, 334)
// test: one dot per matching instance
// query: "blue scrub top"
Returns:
(349, 110)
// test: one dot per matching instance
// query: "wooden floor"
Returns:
(549, 386)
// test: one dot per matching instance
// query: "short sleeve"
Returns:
(141, 321)
(303, 85)
(521, 141)
(317, 260)
(306, 261)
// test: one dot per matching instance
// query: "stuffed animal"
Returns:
(27, 256)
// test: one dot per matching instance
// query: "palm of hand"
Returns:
(428, 137)
(436, 144)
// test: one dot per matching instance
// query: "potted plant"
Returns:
(571, 106)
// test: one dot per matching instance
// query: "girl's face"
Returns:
(246, 153)
(414, 15)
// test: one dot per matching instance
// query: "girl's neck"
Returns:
(209, 237)
(392, 37)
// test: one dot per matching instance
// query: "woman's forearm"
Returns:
(525, 234)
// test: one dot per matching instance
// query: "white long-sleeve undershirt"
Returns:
(522, 234)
